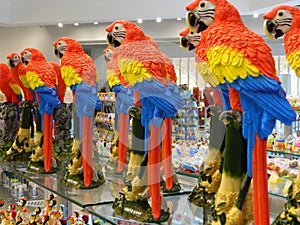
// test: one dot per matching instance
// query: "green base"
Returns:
(17, 156)
(76, 181)
(63, 150)
(176, 187)
(201, 198)
(38, 167)
(138, 210)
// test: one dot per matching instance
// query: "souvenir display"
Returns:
(152, 145)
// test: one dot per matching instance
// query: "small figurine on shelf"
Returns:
(22, 211)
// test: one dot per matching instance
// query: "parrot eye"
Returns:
(202, 5)
(191, 32)
(280, 13)
(16, 57)
(116, 27)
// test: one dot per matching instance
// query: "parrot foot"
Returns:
(21, 143)
(75, 146)
(75, 167)
(135, 111)
(231, 116)
(215, 109)
(138, 190)
(38, 140)
(38, 155)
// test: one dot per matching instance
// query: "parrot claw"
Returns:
(230, 116)
(215, 109)
(135, 111)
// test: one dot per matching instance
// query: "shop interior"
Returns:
(37, 24)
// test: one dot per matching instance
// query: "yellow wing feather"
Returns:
(133, 71)
(231, 64)
(112, 78)
(207, 75)
(33, 80)
(16, 89)
(294, 61)
(70, 76)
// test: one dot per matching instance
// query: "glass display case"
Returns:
(97, 202)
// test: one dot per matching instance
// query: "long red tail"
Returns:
(87, 153)
(123, 141)
(167, 153)
(260, 184)
(154, 170)
(47, 145)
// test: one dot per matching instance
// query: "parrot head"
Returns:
(29, 54)
(122, 31)
(108, 53)
(202, 13)
(13, 59)
(189, 39)
(280, 20)
(66, 44)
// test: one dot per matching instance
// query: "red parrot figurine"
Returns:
(24, 137)
(285, 21)
(41, 77)
(79, 73)
(8, 86)
(142, 65)
(241, 59)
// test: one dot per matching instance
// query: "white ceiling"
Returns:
(46, 12)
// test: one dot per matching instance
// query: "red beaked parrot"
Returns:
(241, 59)
(79, 73)
(8, 86)
(285, 21)
(142, 65)
(18, 71)
(41, 77)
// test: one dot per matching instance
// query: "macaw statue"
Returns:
(124, 100)
(24, 136)
(285, 21)
(79, 73)
(8, 86)
(10, 113)
(142, 66)
(41, 77)
(242, 60)
(210, 175)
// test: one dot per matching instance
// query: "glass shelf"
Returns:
(283, 153)
(98, 201)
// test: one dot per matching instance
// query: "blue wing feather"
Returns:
(263, 101)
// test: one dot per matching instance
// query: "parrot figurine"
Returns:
(8, 86)
(10, 114)
(124, 100)
(242, 60)
(25, 134)
(79, 73)
(284, 21)
(143, 68)
(41, 77)
(210, 175)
